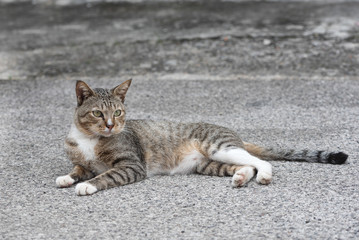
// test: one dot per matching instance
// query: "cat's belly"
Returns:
(186, 164)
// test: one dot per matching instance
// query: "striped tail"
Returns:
(295, 155)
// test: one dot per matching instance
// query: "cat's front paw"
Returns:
(64, 181)
(85, 188)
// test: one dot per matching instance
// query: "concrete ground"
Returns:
(283, 74)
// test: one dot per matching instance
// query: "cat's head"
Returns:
(100, 112)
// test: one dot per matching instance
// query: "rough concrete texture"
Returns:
(293, 39)
(281, 74)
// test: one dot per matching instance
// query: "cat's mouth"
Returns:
(107, 132)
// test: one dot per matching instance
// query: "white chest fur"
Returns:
(85, 144)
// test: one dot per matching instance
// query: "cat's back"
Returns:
(151, 128)
(174, 133)
(170, 129)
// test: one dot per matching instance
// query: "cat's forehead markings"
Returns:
(105, 96)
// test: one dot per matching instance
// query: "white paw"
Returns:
(64, 181)
(85, 189)
(242, 176)
(264, 177)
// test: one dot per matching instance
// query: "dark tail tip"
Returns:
(337, 158)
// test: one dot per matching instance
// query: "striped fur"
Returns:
(108, 151)
(315, 156)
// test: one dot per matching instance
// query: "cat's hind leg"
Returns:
(240, 156)
(241, 174)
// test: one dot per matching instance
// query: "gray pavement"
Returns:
(283, 74)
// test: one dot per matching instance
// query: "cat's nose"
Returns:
(109, 126)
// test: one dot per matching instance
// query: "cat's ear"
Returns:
(121, 89)
(83, 91)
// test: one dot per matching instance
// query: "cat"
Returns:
(107, 150)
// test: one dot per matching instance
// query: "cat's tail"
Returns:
(296, 155)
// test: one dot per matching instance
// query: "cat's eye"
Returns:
(97, 113)
(117, 113)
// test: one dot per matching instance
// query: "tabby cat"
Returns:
(107, 150)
